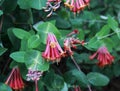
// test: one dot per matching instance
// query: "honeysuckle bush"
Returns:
(24, 29)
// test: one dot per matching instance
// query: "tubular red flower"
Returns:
(76, 5)
(53, 50)
(15, 80)
(104, 57)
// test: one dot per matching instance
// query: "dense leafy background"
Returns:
(23, 31)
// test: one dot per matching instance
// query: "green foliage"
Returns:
(4, 87)
(36, 4)
(97, 79)
(34, 61)
(76, 76)
(2, 50)
(23, 31)
(43, 28)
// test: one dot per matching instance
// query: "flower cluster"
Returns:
(104, 57)
(53, 50)
(33, 75)
(76, 5)
(15, 80)
(51, 6)
(71, 42)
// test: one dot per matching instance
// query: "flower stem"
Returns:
(75, 63)
(89, 88)
(10, 76)
(78, 67)
(36, 85)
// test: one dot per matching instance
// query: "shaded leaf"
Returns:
(2, 50)
(4, 87)
(36, 4)
(97, 79)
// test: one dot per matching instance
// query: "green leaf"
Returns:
(34, 61)
(34, 41)
(18, 56)
(2, 50)
(103, 32)
(94, 44)
(4, 87)
(13, 38)
(20, 33)
(53, 81)
(76, 76)
(43, 28)
(36, 4)
(97, 79)
(8, 5)
(61, 23)
(113, 24)
(1, 12)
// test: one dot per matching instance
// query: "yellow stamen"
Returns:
(53, 44)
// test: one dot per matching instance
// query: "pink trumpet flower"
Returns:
(76, 5)
(104, 57)
(53, 50)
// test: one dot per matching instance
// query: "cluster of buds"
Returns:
(104, 57)
(34, 76)
(76, 5)
(53, 50)
(15, 80)
(51, 6)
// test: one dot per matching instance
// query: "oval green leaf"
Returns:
(34, 61)
(97, 79)
(18, 56)
(34, 41)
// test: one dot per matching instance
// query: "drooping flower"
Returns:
(77, 88)
(15, 80)
(34, 76)
(51, 6)
(104, 57)
(76, 5)
(53, 50)
(71, 42)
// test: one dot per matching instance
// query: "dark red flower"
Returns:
(53, 50)
(104, 57)
(15, 80)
